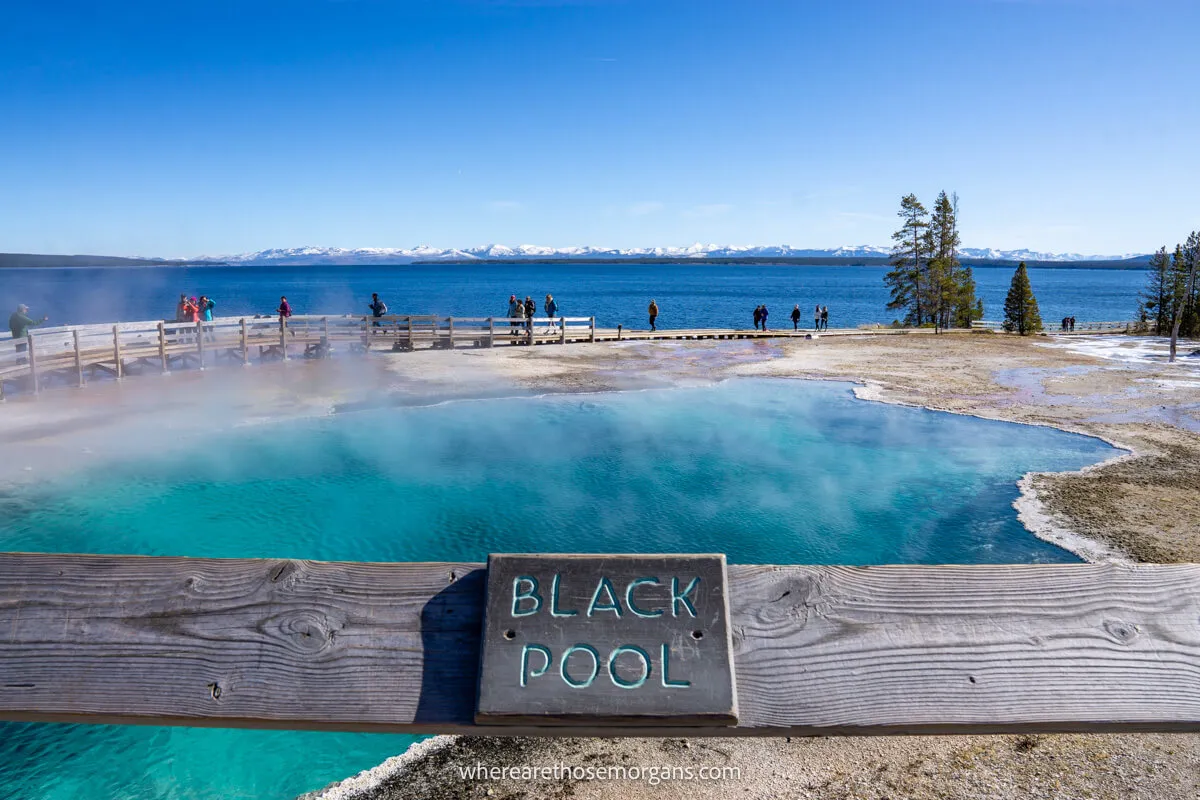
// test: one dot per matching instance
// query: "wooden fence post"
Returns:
(366, 335)
(450, 327)
(78, 358)
(162, 346)
(327, 348)
(592, 329)
(562, 330)
(245, 344)
(33, 373)
(491, 331)
(411, 346)
(200, 342)
(283, 336)
(117, 352)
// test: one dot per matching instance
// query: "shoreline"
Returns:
(1032, 512)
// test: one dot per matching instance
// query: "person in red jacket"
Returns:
(285, 311)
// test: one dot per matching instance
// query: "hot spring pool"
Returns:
(766, 471)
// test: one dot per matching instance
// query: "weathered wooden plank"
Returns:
(818, 650)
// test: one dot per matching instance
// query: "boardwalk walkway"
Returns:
(75, 354)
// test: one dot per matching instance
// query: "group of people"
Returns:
(522, 313)
(820, 317)
(1068, 323)
(191, 309)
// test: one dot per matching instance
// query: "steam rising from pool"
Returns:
(766, 471)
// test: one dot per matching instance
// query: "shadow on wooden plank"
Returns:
(451, 630)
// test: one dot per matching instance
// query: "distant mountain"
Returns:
(27, 260)
(394, 255)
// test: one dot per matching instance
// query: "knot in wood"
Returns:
(792, 600)
(1120, 632)
(304, 631)
(282, 572)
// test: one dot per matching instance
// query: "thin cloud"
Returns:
(505, 206)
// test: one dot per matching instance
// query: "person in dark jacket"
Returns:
(378, 309)
(796, 317)
(763, 316)
(757, 316)
(19, 324)
(530, 310)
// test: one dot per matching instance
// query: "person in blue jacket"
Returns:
(206, 314)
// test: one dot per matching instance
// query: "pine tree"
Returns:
(909, 261)
(967, 308)
(1157, 296)
(943, 242)
(1185, 264)
(1190, 325)
(1020, 307)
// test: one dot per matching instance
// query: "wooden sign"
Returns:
(607, 639)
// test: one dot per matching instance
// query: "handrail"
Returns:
(817, 650)
(115, 348)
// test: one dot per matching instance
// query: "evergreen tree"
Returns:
(967, 308)
(943, 242)
(1185, 264)
(909, 261)
(1020, 307)
(1158, 297)
(1190, 324)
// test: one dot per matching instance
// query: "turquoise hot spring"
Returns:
(764, 470)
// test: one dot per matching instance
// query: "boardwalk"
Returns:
(73, 355)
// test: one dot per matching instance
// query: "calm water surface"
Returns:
(765, 471)
(689, 296)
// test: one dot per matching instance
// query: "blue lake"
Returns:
(689, 295)
(766, 471)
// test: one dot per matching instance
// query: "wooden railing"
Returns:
(1080, 327)
(395, 647)
(75, 353)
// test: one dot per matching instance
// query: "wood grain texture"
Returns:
(817, 650)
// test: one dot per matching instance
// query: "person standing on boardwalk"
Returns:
(1071, 321)
(19, 324)
(653, 309)
(796, 317)
(515, 312)
(825, 318)
(757, 316)
(530, 313)
(285, 311)
(205, 310)
(378, 309)
(551, 310)
(763, 316)
(817, 318)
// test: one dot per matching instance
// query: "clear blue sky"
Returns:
(181, 128)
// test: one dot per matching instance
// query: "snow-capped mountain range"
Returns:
(399, 255)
